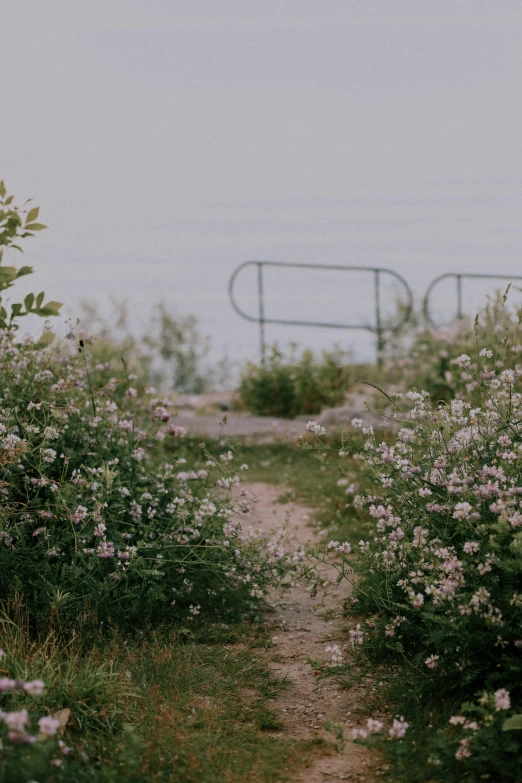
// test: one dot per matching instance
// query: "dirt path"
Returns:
(300, 633)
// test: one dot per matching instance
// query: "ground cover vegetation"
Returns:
(437, 582)
(125, 574)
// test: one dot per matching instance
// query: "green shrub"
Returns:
(441, 572)
(101, 517)
(293, 386)
(99, 513)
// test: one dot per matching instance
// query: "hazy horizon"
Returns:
(168, 143)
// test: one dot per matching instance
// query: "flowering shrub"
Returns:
(290, 386)
(426, 358)
(98, 512)
(442, 569)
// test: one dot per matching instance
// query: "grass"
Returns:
(190, 705)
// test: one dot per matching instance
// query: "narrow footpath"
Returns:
(301, 633)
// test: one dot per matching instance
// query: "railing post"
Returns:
(261, 310)
(378, 325)
(459, 297)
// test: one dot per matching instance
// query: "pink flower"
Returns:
(177, 432)
(34, 687)
(16, 721)
(48, 725)
(463, 751)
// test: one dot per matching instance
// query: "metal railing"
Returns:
(459, 277)
(377, 328)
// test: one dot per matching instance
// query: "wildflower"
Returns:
(177, 432)
(486, 352)
(161, 413)
(48, 725)
(34, 687)
(431, 662)
(470, 547)
(462, 511)
(374, 725)
(359, 734)
(357, 423)
(457, 720)
(336, 654)
(463, 360)
(105, 549)
(399, 728)
(463, 751)
(49, 455)
(502, 700)
(315, 428)
(16, 721)
(357, 636)
(508, 377)
(79, 514)
(194, 610)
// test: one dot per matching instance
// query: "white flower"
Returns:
(486, 352)
(463, 360)
(315, 428)
(431, 662)
(399, 728)
(502, 700)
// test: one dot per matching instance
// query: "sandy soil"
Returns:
(300, 633)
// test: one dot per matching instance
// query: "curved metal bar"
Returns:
(374, 270)
(459, 276)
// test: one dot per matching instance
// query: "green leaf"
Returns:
(50, 308)
(2, 189)
(39, 299)
(8, 273)
(513, 724)
(29, 301)
(45, 340)
(24, 270)
(9, 200)
(16, 310)
(34, 226)
(32, 214)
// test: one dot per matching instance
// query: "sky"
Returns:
(169, 141)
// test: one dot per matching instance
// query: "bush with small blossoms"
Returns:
(440, 577)
(98, 507)
(429, 358)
